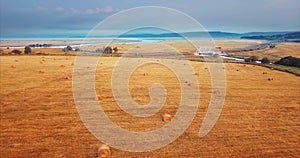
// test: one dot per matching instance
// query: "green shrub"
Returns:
(27, 50)
(289, 61)
(265, 60)
(251, 59)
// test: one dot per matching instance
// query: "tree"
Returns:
(108, 50)
(27, 50)
(251, 59)
(15, 51)
(265, 60)
(115, 49)
(68, 48)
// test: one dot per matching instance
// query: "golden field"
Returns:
(260, 118)
(281, 50)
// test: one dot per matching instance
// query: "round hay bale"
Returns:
(98, 97)
(41, 71)
(41, 62)
(62, 65)
(166, 118)
(62, 156)
(16, 60)
(270, 79)
(12, 66)
(104, 151)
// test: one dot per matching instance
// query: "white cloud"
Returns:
(59, 9)
(107, 9)
(90, 11)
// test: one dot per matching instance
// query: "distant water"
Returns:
(83, 41)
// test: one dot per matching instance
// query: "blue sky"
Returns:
(36, 17)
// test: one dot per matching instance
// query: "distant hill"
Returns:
(218, 35)
(294, 36)
(289, 61)
(213, 34)
(267, 33)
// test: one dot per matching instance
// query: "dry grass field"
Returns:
(281, 50)
(260, 118)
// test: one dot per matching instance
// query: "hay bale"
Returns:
(41, 71)
(62, 156)
(12, 66)
(166, 118)
(270, 79)
(16, 60)
(98, 97)
(62, 65)
(104, 151)
(41, 62)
